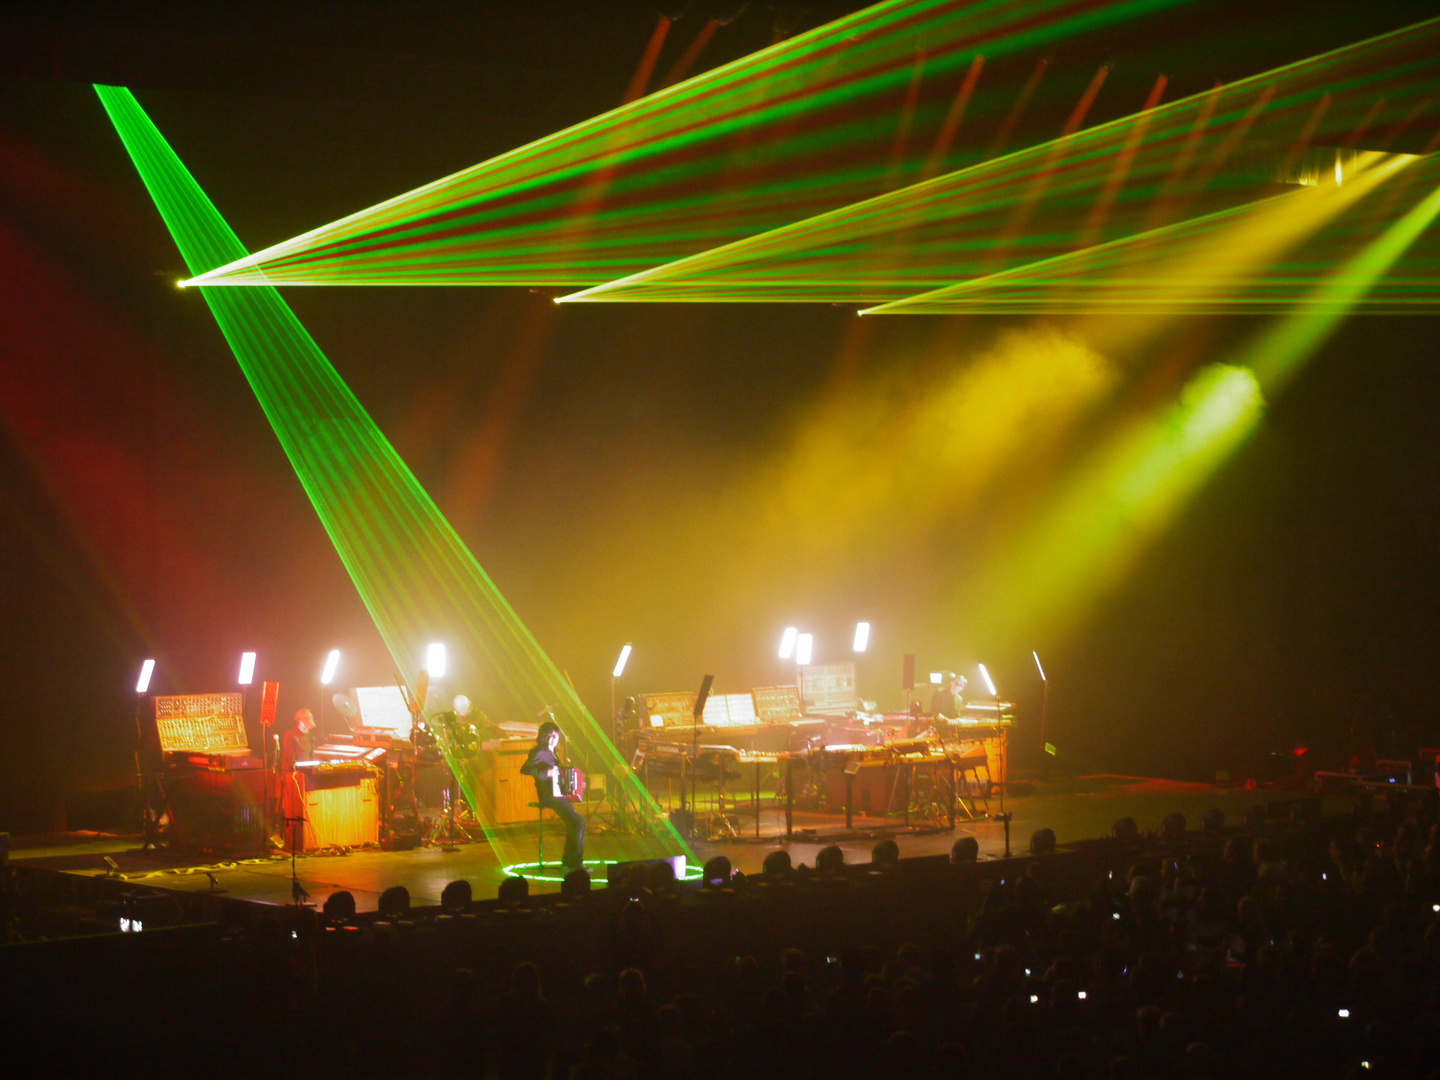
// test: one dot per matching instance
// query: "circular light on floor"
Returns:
(556, 873)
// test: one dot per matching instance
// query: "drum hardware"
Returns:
(719, 824)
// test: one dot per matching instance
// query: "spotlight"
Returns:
(965, 850)
(513, 890)
(716, 872)
(776, 865)
(620, 663)
(146, 670)
(862, 636)
(339, 907)
(247, 668)
(331, 663)
(936, 678)
(456, 896)
(394, 902)
(576, 884)
(435, 660)
(787, 642)
(804, 645)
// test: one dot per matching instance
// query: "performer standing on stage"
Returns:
(296, 744)
(544, 767)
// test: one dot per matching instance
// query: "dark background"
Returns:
(608, 465)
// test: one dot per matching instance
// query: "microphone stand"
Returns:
(1005, 762)
(413, 705)
(694, 773)
(450, 826)
(298, 895)
(1044, 711)
(414, 763)
(147, 830)
(270, 759)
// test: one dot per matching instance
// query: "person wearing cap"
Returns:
(296, 744)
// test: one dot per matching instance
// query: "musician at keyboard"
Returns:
(297, 743)
(949, 701)
(544, 767)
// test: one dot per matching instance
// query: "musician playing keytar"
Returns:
(543, 766)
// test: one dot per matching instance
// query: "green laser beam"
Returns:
(1280, 351)
(1264, 256)
(417, 579)
(1192, 160)
(805, 126)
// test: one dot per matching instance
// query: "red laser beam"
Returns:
(1087, 99)
(1017, 110)
(951, 124)
(1100, 209)
(641, 79)
(907, 118)
(681, 68)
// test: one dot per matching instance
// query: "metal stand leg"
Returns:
(539, 836)
(757, 800)
(789, 799)
(952, 796)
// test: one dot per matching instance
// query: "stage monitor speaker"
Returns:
(619, 872)
(700, 698)
(907, 673)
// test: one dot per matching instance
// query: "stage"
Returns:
(1076, 808)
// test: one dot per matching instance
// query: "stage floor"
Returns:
(1077, 808)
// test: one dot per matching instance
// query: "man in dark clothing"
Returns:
(948, 700)
(544, 768)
